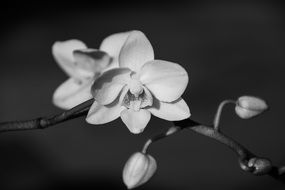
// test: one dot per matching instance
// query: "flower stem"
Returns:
(208, 131)
(44, 122)
(219, 112)
(170, 131)
(247, 160)
(261, 166)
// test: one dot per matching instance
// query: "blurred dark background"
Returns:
(229, 48)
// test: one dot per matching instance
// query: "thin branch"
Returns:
(44, 122)
(209, 131)
(248, 161)
(170, 131)
(219, 112)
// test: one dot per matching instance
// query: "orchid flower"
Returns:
(83, 66)
(141, 86)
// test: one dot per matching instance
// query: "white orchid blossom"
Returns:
(83, 66)
(141, 86)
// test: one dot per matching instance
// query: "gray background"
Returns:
(228, 48)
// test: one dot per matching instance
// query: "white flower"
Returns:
(83, 66)
(138, 170)
(140, 87)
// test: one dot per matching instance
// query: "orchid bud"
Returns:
(261, 165)
(250, 106)
(138, 169)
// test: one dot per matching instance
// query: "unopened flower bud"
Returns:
(250, 106)
(138, 169)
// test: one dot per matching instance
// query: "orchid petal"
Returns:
(136, 121)
(71, 93)
(113, 44)
(108, 86)
(166, 80)
(63, 54)
(99, 114)
(136, 51)
(90, 61)
(174, 111)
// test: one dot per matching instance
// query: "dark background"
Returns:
(229, 48)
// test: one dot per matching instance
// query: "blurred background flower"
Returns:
(83, 65)
(229, 48)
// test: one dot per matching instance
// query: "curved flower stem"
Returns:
(44, 122)
(247, 160)
(219, 112)
(170, 131)
(208, 131)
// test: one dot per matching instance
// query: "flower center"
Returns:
(137, 96)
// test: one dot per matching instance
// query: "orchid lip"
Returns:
(136, 102)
